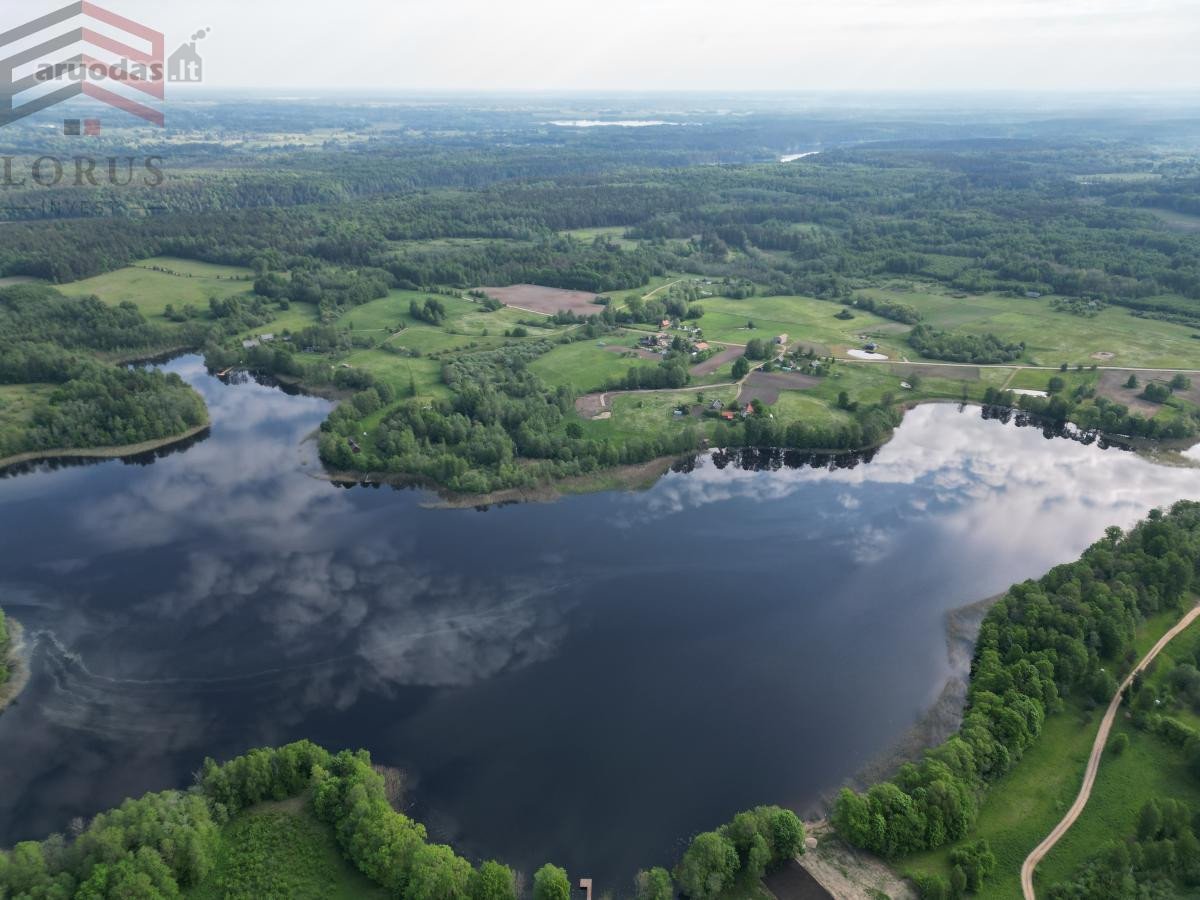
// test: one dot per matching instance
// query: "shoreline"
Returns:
(18, 667)
(634, 476)
(854, 874)
(944, 716)
(101, 453)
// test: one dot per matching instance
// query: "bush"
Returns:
(551, 883)
(931, 887)
(708, 867)
(655, 884)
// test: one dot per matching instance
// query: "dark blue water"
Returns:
(589, 681)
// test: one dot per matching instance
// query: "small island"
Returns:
(13, 671)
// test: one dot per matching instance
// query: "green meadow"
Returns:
(151, 291)
(801, 318)
(586, 366)
(280, 850)
(17, 403)
(1052, 337)
(1025, 805)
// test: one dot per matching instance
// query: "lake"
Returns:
(589, 682)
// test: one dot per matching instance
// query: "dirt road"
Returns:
(1093, 766)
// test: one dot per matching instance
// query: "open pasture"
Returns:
(152, 291)
(585, 365)
(803, 319)
(1112, 337)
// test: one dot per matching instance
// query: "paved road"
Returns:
(1093, 766)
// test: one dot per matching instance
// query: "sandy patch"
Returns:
(1103, 354)
(766, 386)
(545, 300)
(850, 874)
(717, 360)
(1112, 387)
(593, 406)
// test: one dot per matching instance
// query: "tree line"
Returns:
(164, 844)
(1068, 633)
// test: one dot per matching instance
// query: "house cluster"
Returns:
(729, 415)
(250, 343)
(662, 342)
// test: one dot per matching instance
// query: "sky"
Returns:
(677, 45)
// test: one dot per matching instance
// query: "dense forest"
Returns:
(340, 226)
(987, 216)
(1068, 634)
(44, 339)
(963, 348)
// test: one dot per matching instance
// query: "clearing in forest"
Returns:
(545, 300)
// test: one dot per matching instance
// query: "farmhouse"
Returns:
(701, 346)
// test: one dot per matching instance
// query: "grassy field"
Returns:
(586, 365)
(17, 402)
(1149, 768)
(642, 414)
(1039, 379)
(1023, 807)
(388, 313)
(801, 318)
(1177, 220)
(1052, 337)
(151, 291)
(279, 851)
(402, 371)
(616, 235)
(296, 318)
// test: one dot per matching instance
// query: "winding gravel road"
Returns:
(1093, 766)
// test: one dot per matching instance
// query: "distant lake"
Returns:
(611, 123)
(590, 681)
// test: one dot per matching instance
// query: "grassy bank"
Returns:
(105, 452)
(13, 672)
(280, 849)
(1148, 768)
(1024, 806)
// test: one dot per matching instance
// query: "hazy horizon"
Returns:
(670, 46)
